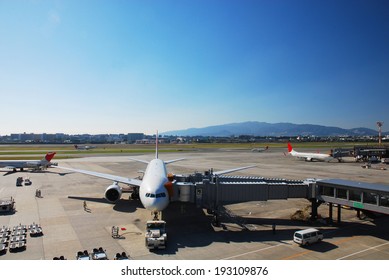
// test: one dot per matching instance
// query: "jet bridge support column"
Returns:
(216, 221)
(339, 213)
(339, 220)
(314, 213)
(330, 212)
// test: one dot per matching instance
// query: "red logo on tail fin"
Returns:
(49, 156)
(289, 147)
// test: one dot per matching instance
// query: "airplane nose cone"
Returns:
(154, 203)
(157, 204)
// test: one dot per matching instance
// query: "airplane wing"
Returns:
(9, 167)
(119, 179)
(147, 162)
(173, 160)
(139, 160)
(232, 170)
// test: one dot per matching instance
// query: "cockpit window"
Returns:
(155, 195)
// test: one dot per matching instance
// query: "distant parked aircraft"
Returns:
(84, 147)
(28, 164)
(309, 156)
(259, 150)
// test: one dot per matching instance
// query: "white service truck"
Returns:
(156, 236)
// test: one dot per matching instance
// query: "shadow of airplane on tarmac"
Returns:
(123, 205)
(191, 227)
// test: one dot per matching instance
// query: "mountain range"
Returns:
(272, 129)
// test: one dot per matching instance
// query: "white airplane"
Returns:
(153, 190)
(28, 164)
(84, 147)
(309, 156)
(259, 150)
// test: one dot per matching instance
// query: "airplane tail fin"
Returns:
(156, 154)
(49, 156)
(290, 148)
(156, 145)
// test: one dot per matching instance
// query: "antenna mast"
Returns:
(380, 124)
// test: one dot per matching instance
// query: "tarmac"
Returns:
(68, 227)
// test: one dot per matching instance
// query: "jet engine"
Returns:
(113, 193)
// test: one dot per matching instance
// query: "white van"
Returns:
(307, 236)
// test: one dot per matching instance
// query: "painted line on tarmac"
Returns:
(371, 248)
(256, 251)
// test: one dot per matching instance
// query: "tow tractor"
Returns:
(19, 181)
(156, 236)
(27, 182)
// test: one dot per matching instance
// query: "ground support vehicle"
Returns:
(156, 236)
(99, 254)
(19, 181)
(307, 236)
(27, 182)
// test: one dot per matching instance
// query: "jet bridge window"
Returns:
(328, 191)
(341, 193)
(384, 200)
(370, 198)
(355, 195)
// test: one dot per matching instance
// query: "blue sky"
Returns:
(138, 66)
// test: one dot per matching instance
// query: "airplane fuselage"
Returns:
(152, 191)
(311, 156)
(33, 164)
(21, 164)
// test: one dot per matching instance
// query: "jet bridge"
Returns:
(210, 191)
(360, 196)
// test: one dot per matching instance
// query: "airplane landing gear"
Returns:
(156, 215)
(215, 220)
(134, 195)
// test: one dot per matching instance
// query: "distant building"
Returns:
(48, 138)
(30, 137)
(133, 137)
(15, 137)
